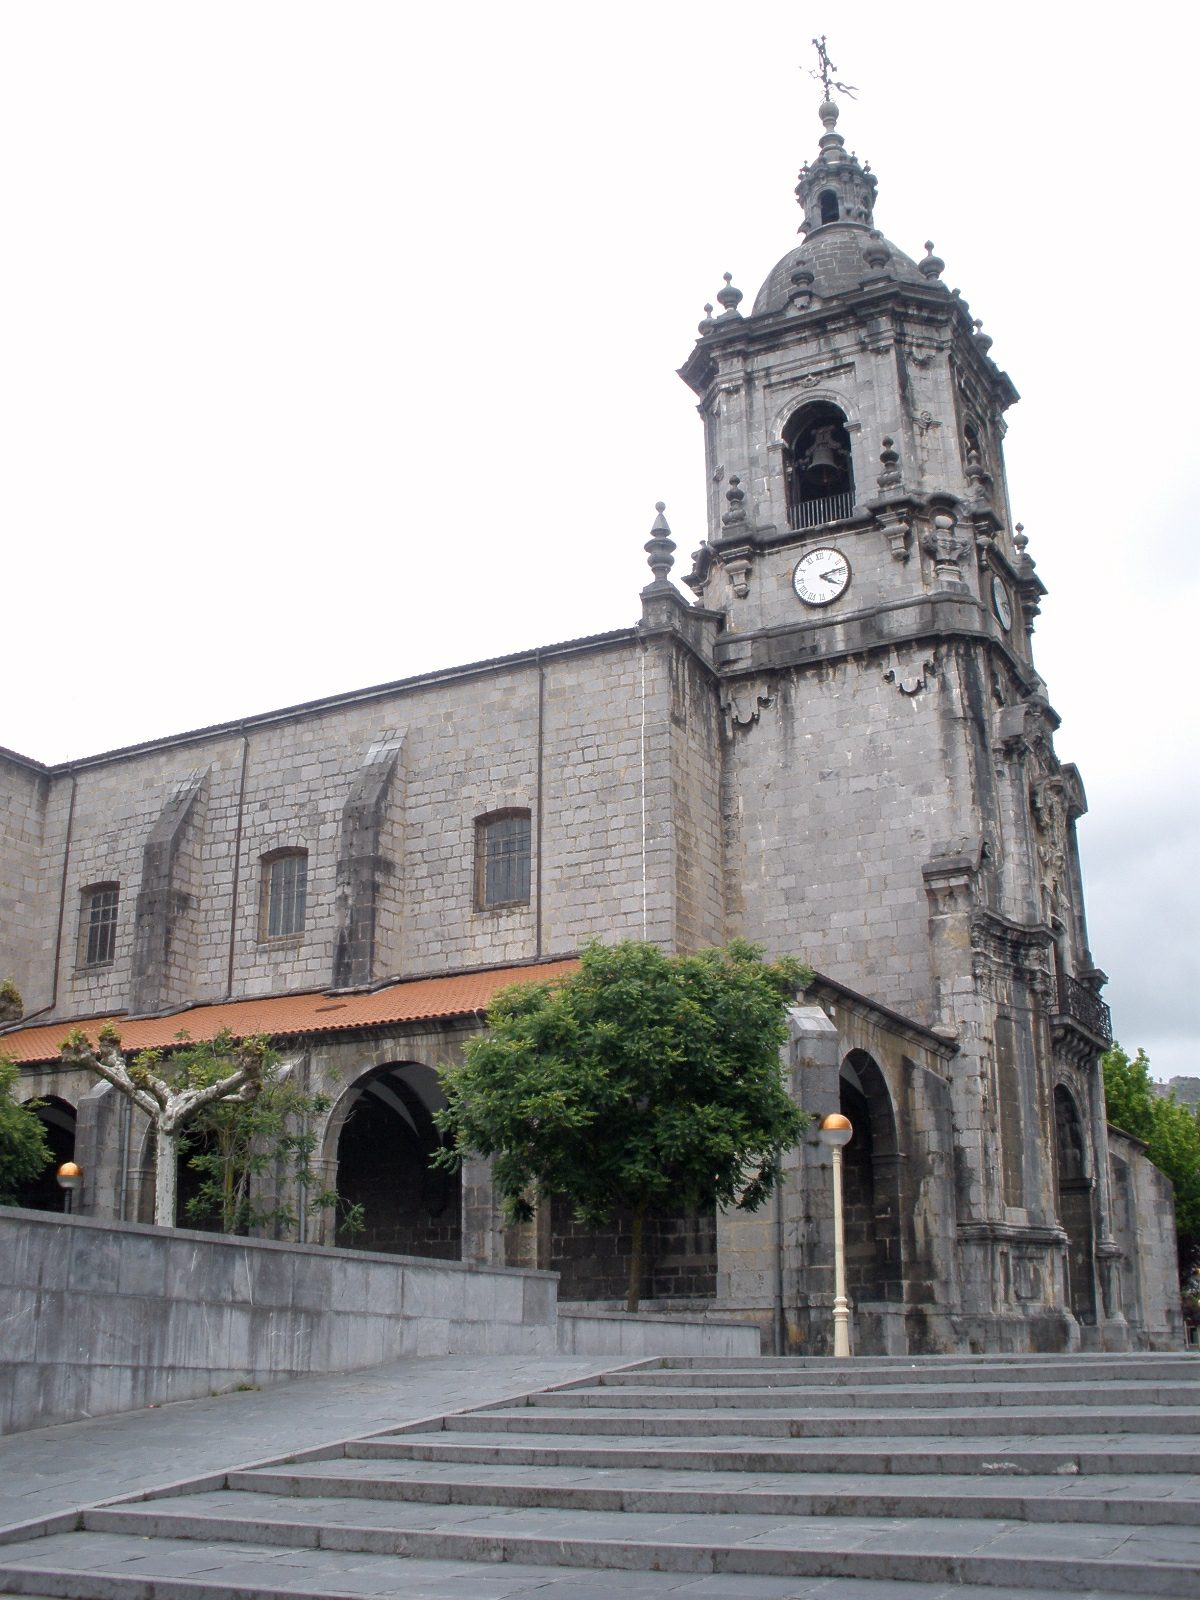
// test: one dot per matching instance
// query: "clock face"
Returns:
(1001, 604)
(821, 576)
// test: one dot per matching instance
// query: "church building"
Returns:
(836, 745)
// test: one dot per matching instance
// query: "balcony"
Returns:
(830, 508)
(1083, 1007)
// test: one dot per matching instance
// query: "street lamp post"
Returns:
(835, 1131)
(70, 1178)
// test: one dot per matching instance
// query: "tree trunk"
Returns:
(166, 1178)
(636, 1255)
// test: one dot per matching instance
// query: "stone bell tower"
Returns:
(893, 807)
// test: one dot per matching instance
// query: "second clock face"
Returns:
(1001, 604)
(821, 577)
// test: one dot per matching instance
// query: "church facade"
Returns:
(838, 747)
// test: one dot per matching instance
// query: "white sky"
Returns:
(337, 343)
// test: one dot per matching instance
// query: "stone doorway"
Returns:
(1075, 1205)
(871, 1196)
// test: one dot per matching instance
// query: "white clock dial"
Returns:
(1001, 604)
(821, 576)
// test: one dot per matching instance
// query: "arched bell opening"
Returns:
(383, 1138)
(1075, 1204)
(871, 1187)
(818, 473)
(57, 1118)
(829, 207)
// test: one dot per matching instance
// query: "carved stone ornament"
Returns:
(947, 550)
(742, 702)
(913, 683)
(1047, 802)
(737, 565)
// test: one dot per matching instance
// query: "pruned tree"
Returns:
(641, 1081)
(170, 1105)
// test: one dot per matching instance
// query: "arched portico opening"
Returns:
(1075, 1204)
(57, 1118)
(382, 1137)
(874, 1266)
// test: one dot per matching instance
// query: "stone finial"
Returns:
(1025, 563)
(736, 496)
(660, 547)
(729, 297)
(707, 325)
(931, 266)
(983, 340)
(889, 456)
(875, 251)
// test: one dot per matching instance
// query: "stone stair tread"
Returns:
(1183, 1368)
(1038, 1398)
(946, 1535)
(785, 1455)
(117, 1567)
(1143, 1498)
(969, 1550)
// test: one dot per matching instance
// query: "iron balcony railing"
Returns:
(1084, 1006)
(830, 508)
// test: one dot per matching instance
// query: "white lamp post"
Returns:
(835, 1131)
(70, 1178)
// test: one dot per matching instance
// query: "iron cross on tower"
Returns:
(825, 72)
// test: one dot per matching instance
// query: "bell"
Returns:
(823, 454)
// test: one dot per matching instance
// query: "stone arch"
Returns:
(378, 1143)
(1074, 1192)
(874, 1254)
(57, 1118)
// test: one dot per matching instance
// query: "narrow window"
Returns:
(98, 925)
(829, 207)
(285, 892)
(502, 859)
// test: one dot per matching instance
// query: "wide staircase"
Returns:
(730, 1479)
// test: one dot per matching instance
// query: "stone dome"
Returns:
(834, 256)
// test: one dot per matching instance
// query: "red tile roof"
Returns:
(417, 1000)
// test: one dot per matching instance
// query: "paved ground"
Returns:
(76, 1464)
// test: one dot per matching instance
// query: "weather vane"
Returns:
(825, 70)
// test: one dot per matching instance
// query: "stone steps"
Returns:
(838, 1481)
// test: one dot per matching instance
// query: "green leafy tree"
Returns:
(1171, 1132)
(641, 1081)
(24, 1152)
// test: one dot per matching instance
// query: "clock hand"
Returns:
(834, 575)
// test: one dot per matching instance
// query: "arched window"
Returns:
(502, 855)
(284, 894)
(829, 207)
(819, 477)
(99, 905)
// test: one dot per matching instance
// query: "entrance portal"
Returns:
(1075, 1204)
(872, 1193)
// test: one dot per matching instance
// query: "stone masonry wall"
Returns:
(603, 864)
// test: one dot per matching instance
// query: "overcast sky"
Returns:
(338, 342)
